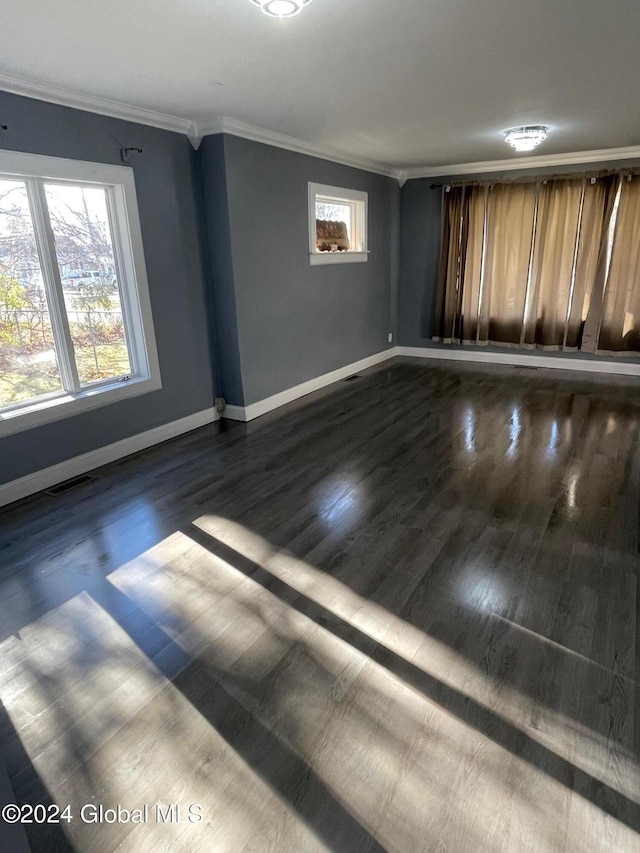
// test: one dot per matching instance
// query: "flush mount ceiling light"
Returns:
(281, 8)
(527, 137)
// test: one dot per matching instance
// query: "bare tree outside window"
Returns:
(84, 252)
(28, 363)
(333, 226)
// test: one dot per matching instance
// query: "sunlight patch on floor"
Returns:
(100, 720)
(351, 720)
(552, 729)
(101, 724)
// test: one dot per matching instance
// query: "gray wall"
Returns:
(294, 321)
(225, 235)
(420, 209)
(165, 176)
(216, 232)
(420, 215)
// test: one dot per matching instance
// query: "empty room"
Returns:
(319, 427)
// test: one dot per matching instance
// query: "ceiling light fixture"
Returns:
(527, 137)
(281, 8)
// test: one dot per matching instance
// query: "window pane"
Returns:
(28, 363)
(84, 250)
(333, 226)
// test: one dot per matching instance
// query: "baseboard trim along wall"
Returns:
(522, 360)
(268, 404)
(255, 410)
(39, 480)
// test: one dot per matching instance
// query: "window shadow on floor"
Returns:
(47, 836)
(487, 722)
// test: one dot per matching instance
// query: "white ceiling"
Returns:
(407, 83)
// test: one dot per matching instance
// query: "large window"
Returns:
(75, 321)
(337, 225)
(550, 264)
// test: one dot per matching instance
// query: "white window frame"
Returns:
(339, 195)
(132, 276)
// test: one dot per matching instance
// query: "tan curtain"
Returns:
(570, 248)
(598, 281)
(526, 265)
(552, 263)
(509, 231)
(471, 276)
(452, 243)
(620, 321)
(597, 207)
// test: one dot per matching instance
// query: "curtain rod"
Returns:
(631, 170)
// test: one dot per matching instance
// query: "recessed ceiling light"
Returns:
(526, 138)
(281, 8)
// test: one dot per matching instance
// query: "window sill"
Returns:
(319, 258)
(66, 405)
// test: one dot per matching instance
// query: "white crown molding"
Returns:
(511, 165)
(215, 125)
(194, 135)
(291, 143)
(96, 104)
(195, 131)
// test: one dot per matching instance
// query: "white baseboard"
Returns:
(261, 407)
(522, 360)
(234, 413)
(39, 480)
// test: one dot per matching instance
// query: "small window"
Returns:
(337, 225)
(75, 320)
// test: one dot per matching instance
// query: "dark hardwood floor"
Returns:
(400, 614)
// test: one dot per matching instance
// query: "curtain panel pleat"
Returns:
(597, 208)
(533, 265)
(471, 273)
(597, 283)
(552, 264)
(510, 217)
(455, 218)
(620, 322)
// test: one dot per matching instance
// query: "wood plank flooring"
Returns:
(398, 615)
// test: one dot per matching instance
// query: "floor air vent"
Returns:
(61, 488)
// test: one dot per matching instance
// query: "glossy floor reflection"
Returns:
(399, 615)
